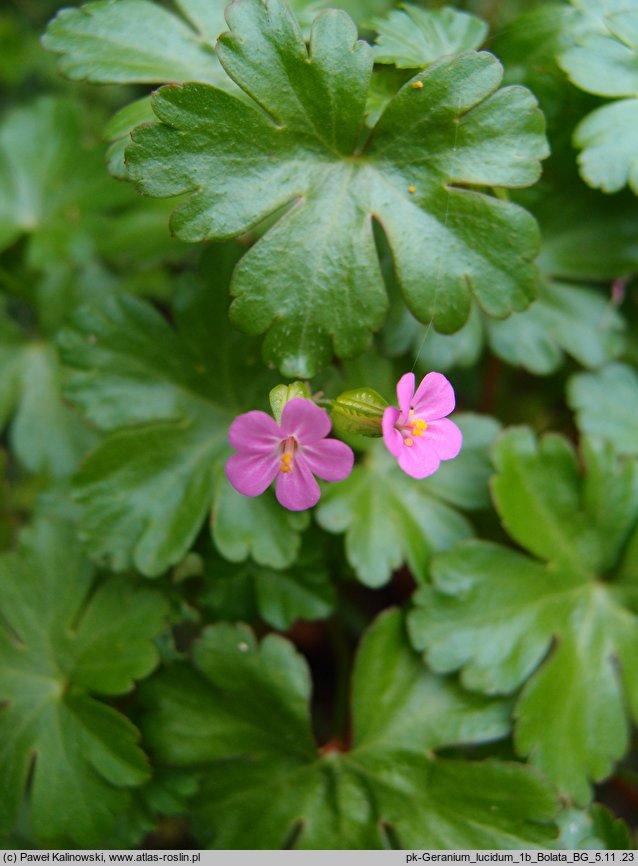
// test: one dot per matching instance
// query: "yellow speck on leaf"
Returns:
(417, 85)
(411, 188)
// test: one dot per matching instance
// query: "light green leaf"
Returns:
(278, 597)
(363, 12)
(564, 319)
(606, 404)
(258, 527)
(85, 236)
(443, 351)
(604, 61)
(558, 624)
(433, 351)
(118, 129)
(64, 638)
(48, 175)
(136, 42)
(391, 519)
(168, 396)
(46, 436)
(413, 38)
(592, 16)
(463, 481)
(608, 139)
(594, 829)
(297, 147)
(206, 16)
(244, 719)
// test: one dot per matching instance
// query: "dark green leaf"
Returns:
(297, 147)
(279, 597)
(63, 638)
(166, 795)
(587, 236)
(244, 718)
(168, 397)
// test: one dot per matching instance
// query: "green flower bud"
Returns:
(359, 411)
(281, 394)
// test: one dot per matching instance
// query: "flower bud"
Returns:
(359, 411)
(281, 394)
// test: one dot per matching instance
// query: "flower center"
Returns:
(412, 428)
(288, 448)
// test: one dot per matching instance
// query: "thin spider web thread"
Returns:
(445, 222)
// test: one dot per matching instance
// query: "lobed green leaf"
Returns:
(167, 397)
(606, 405)
(390, 519)
(413, 38)
(295, 150)
(560, 623)
(244, 718)
(65, 638)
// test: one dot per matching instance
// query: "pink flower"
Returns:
(292, 452)
(419, 435)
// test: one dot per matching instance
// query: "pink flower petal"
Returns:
(255, 432)
(405, 393)
(330, 459)
(391, 436)
(445, 437)
(304, 420)
(297, 490)
(420, 460)
(251, 474)
(434, 398)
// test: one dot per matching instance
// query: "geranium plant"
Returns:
(319, 418)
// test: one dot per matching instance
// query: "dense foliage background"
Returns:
(450, 662)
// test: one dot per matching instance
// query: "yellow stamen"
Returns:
(286, 462)
(419, 427)
(409, 442)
